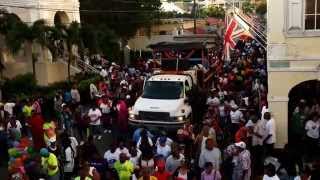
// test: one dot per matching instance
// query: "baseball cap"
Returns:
(163, 140)
(44, 152)
(240, 144)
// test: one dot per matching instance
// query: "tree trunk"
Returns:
(34, 60)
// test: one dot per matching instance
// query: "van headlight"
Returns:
(180, 118)
(131, 114)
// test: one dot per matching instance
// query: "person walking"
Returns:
(210, 154)
(242, 162)
(95, 122)
(270, 139)
(210, 173)
(124, 167)
(49, 163)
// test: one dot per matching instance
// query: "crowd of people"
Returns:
(234, 139)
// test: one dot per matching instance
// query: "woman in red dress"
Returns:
(36, 125)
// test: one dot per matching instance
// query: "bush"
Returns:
(21, 87)
(24, 86)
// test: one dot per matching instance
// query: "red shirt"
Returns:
(162, 176)
(241, 135)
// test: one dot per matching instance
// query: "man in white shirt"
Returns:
(69, 162)
(112, 155)
(236, 116)
(95, 122)
(14, 124)
(312, 133)
(210, 154)
(163, 149)
(8, 107)
(258, 133)
(270, 139)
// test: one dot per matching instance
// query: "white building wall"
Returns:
(30, 11)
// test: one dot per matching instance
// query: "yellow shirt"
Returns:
(27, 111)
(51, 161)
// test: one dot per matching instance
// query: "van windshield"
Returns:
(163, 90)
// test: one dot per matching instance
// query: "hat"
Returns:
(44, 152)
(162, 140)
(240, 144)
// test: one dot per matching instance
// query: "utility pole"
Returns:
(194, 17)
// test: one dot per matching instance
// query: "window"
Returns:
(312, 15)
(163, 90)
(188, 88)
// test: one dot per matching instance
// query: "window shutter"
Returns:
(295, 14)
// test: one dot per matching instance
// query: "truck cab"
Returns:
(164, 102)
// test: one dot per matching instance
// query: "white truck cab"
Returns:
(164, 101)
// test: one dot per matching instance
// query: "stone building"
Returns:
(293, 58)
(29, 11)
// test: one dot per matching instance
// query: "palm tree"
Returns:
(72, 38)
(36, 34)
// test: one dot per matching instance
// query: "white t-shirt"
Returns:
(222, 111)
(275, 177)
(123, 150)
(271, 130)
(112, 157)
(236, 116)
(163, 150)
(135, 160)
(9, 107)
(260, 129)
(69, 155)
(18, 126)
(94, 116)
(105, 108)
(312, 129)
(169, 141)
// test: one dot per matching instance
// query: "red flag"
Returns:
(229, 32)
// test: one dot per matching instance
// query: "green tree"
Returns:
(261, 8)
(213, 11)
(123, 17)
(36, 34)
(72, 36)
(247, 7)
